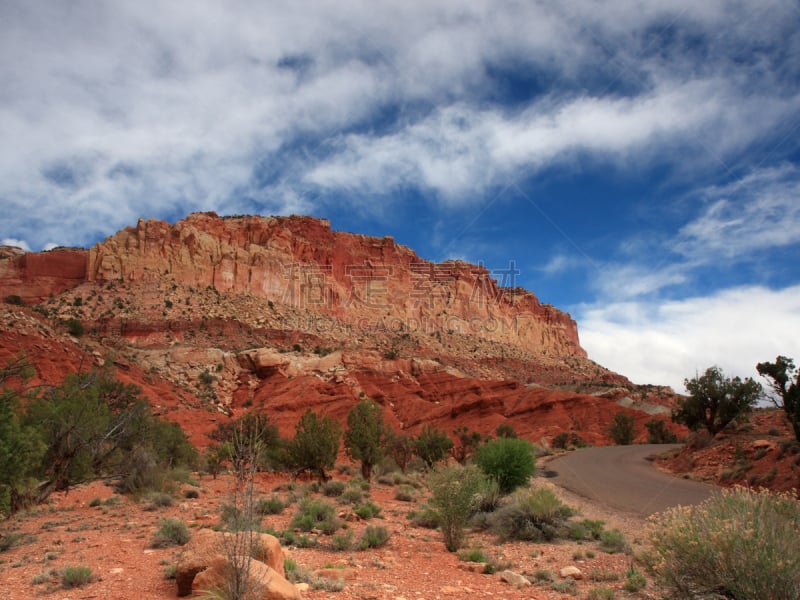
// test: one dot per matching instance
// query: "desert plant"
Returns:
(532, 514)
(367, 510)
(342, 542)
(455, 491)
(739, 543)
(171, 532)
(600, 593)
(373, 537)
(316, 514)
(635, 580)
(315, 445)
(365, 436)
(715, 401)
(587, 529)
(509, 461)
(657, 432)
(426, 517)
(785, 383)
(405, 493)
(333, 489)
(621, 429)
(432, 445)
(270, 506)
(400, 448)
(351, 495)
(612, 541)
(75, 576)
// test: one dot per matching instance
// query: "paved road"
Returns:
(621, 477)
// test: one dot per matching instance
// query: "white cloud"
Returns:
(668, 341)
(756, 212)
(16, 243)
(140, 108)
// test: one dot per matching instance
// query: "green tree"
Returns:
(315, 445)
(455, 496)
(785, 383)
(715, 400)
(621, 429)
(432, 445)
(242, 433)
(21, 447)
(365, 435)
(510, 461)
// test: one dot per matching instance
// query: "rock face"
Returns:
(34, 276)
(361, 281)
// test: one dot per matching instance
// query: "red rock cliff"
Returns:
(366, 281)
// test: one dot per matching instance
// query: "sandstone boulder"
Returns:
(515, 579)
(207, 547)
(571, 571)
(264, 581)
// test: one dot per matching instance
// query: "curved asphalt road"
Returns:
(622, 478)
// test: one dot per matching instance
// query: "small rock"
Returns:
(571, 571)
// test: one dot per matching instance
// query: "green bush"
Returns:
(621, 429)
(367, 510)
(455, 492)
(351, 495)
(373, 537)
(585, 530)
(509, 461)
(72, 577)
(657, 433)
(600, 593)
(342, 542)
(333, 489)
(316, 514)
(612, 541)
(532, 515)
(740, 544)
(427, 517)
(405, 493)
(634, 581)
(269, 506)
(156, 500)
(432, 445)
(171, 532)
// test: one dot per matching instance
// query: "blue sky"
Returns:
(636, 160)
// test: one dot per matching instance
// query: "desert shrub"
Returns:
(15, 300)
(11, 539)
(316, 514)
(542, 576)
(269, 506)
(405, 493)
(612, 541)
(621, 429)
(94, 502)
(169, 572)
(75, 576)
(533, 515)
(454, 495)
(657, 433)
(156, 500)
(333, 489)
(600, 593)
(191, 494)
(368, 510)
(509, 461)
(560, 441)
(74, 327)
(490, 497)
(351, 495)
(373, 537)
(740, 544)
(432, 445)
(473, 555)
(342, 542)
(171, 532)
(634, 581)
(426, 517)
(584, 530)
(236, 518)
(567, 586)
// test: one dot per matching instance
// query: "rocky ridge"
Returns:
(282, 313)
